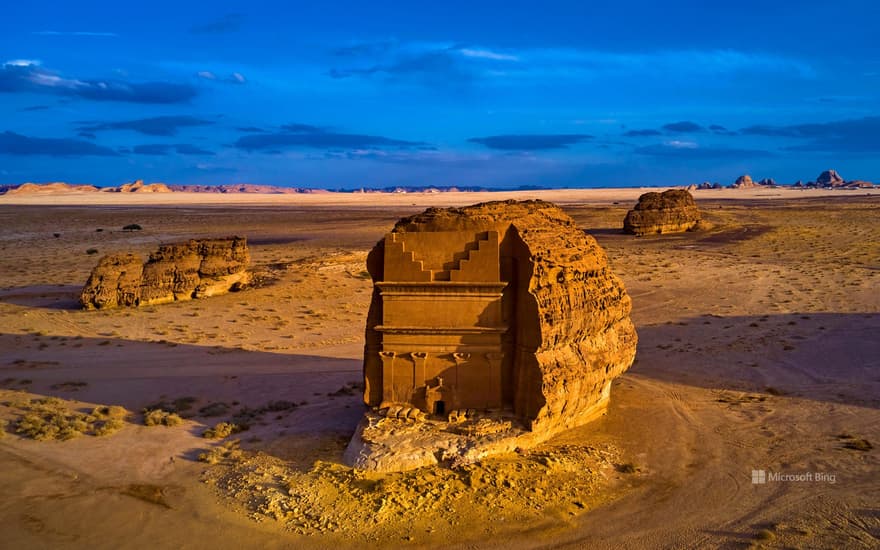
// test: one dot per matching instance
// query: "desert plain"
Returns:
(759, 351)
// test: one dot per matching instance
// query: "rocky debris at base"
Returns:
(389, 443)
(177, 271)
(431, 505)
(671, 211)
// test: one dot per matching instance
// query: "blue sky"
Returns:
(497, 94)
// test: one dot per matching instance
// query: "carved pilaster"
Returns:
(460, 359)
(420, 360)
(387, 374)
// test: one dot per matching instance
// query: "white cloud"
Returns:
(76, 33)
(207, 75)
(23, 63)
(487, 54)
(681, 144)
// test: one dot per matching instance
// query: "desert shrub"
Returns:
(110, 411)
(230, 449)
(765, 534)
(280, 405)
(212, 456)
(179, 405)
(158, 417)
(109, 426)
(50, 418)
(3, 424)
(221, 430)
(47, 425)
(214, 409)
(91, 251)
(132, 227)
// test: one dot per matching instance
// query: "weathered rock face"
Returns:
(504, 306)
(667, 212)
(829, 178)
(179, 271)
(744, 182)
(114, 282)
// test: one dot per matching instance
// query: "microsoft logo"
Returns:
(759, 477)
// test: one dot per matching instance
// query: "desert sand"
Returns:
(758, 350)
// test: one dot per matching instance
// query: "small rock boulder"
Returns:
(671, 211)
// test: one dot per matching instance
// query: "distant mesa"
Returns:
(50, 188)
(491, 327)
(139, 187)
(177, 271)
(243, 188)
(671, 211)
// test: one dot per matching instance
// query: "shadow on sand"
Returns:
(832, 357)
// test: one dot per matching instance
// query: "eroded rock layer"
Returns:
(668, 212)
(177, 271)
(564, 316)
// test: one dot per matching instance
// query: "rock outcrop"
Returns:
(140, 187)
(50, 188)
(668, 212)
(829, 178)
(744, 182)
(550, 331)
(178, 271)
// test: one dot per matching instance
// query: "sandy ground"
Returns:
(758, 350)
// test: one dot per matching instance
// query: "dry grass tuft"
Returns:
(50, 418)
(158, 417)
(221, 430)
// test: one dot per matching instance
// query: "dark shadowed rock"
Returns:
(667, 212)
(829, 178)
(178, 271)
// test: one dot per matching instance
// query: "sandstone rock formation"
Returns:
(50, 188)
(744, 182)
(858, 184)
(501, 306)
(667, 212)
(178, 271)
(829, 178)
(139, 187)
